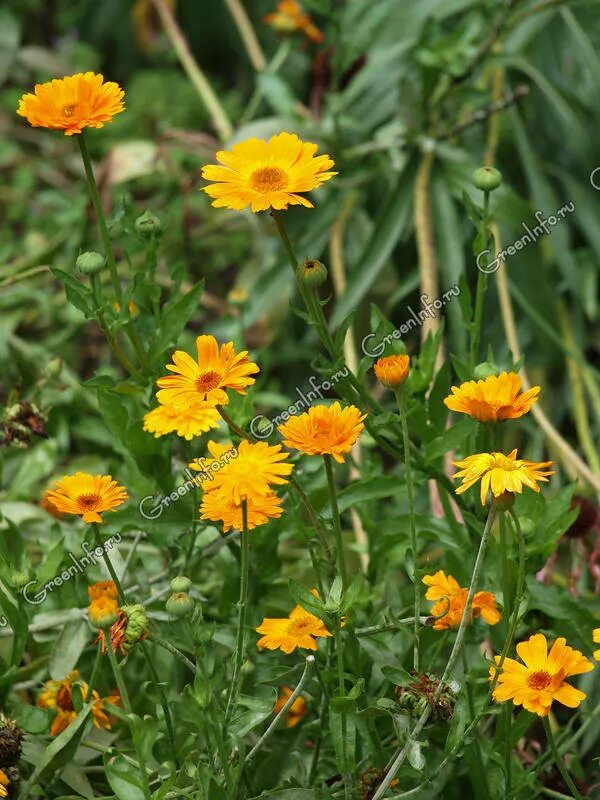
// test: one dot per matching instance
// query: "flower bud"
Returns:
(484, 370)
(53, 367)
(237, 296)
(180, 604)
(148, 226)
(180, 584)
(487, 179)
(392, 371)
(18, 579)
(90, 263)
(103, 611)
(311, 273)
(137, 622)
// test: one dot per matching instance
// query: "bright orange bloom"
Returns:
(493, 399)
(254, 470)
(596, 638)
(265, 175)
(72, 103)
(103, 610)
(392, 371)
(219, 506)
(186, 421)
(58, 696)
(500, 473)
(295, 712)
(49, 506)
(4, 781)
(297, 630)
(450, 601)
(87, 495)
(103, 588)
(290, 18)
(207, 377)
(324, 430)
(541, 679)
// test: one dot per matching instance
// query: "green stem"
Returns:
(458, 643)
(128, 709)
(313, 516)
(558, 760)
(339, 651)
(337, 527)
(233, 426)
(412, 523)
(109, 566)
(166, 645)
(239, 647)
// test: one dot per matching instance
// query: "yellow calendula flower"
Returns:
(265, 175)
(392, 371)
(58, 696)
(596, 639)
(87, 495)
(540, 680)
(4, 782)
(206, 378)
(72, 103)
(185, 421)
(500, 473)
(290, 18)
(450, 601)
(219, 506)
(255, 469)
(493, 399)
(300, 629)
(295, 712)
(103, 610)
(324, 430)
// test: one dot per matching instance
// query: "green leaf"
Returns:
(67, 648)
(307, 600)
(123, 778)
(369, 489)
(336, 729)
(175, 316)
(10, 35)
(77, 294)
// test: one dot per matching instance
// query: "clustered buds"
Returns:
(180, 603)
(137, 623)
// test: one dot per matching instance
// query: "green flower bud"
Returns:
(19, 579)
(180, 584)
(148, 226)
(311, 273)
(180, 604)
(53, 367)
(487, 179)
(484, 370)
(137, 622)
(90, 263)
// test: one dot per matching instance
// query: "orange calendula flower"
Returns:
(102, 589)
(4, 781)
(49, 506)
(265, 175)
(493, 399)
(540, 680)
(219, 506)
(596, 639)
(103, 610)
(72, 103)
(290, 18)
(87, 495)
(58, 696)
(324, 430)
(392, 371)
(500, 473)
(254, 470)
(300, 629)
(207, 377)
(295, 712)
(185, 421)
(450, 601)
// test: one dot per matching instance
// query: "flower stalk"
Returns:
(337, 527)
(242, 603)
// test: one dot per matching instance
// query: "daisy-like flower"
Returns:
(324, 430)
(295, 712)
(290, 18)
(58, 696)
(493, 399)
(4, 781)
(73, 103)
(500, 473)
(596, 639)
(392, 371)
(49, 506)
(87, 495)
(103, 610)
(540, 680)
(186, 422)
(206, 378)
(254, 470)
(219, 506)
(300, 629)
(450, 601)
(264, 175)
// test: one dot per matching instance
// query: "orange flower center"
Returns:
(64, 699)
(539, 680)
(298, 626)
(69, 110)
(268, 179)
(88, 501)
(208, 381)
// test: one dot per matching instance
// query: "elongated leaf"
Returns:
(175, 317)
